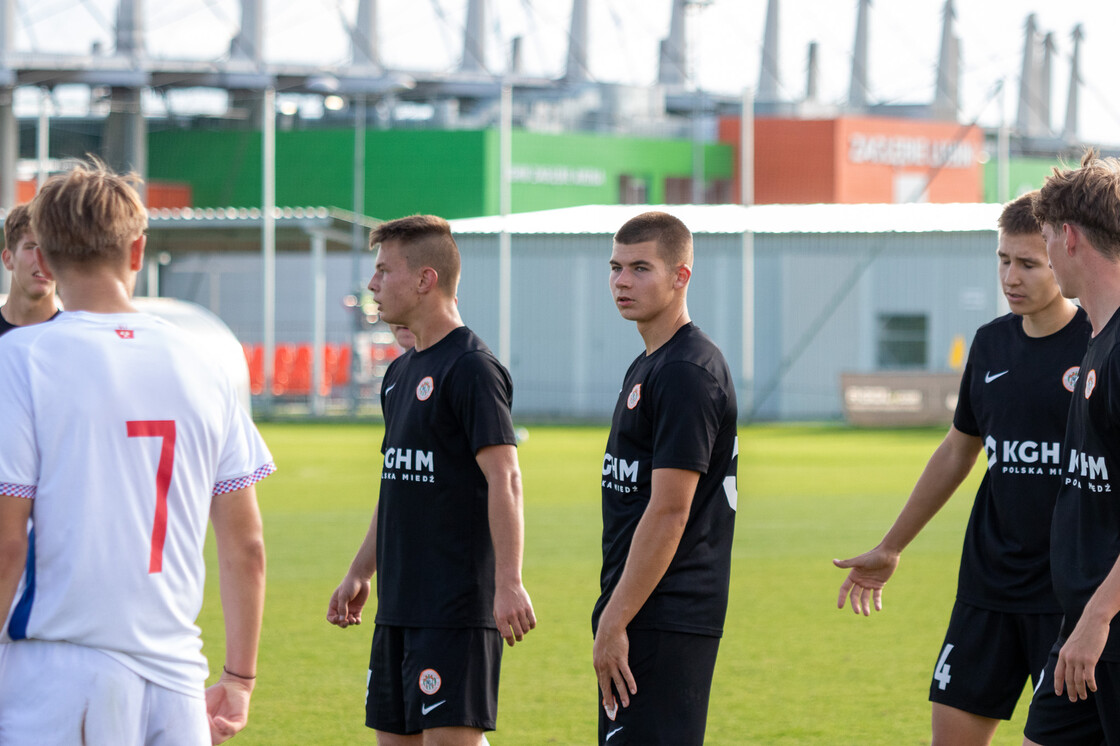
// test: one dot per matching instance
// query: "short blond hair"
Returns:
(1088, 197)
(89, 215)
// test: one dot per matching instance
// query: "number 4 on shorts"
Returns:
(165, 430)
(941, 673)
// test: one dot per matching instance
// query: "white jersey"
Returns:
(121, 431)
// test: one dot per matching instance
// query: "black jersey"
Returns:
(435, 559)
(1085, 536)
(676, 410)
(1015, 395)
(6, 326)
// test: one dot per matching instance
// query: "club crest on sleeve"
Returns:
(1069, 378)
(425, 388)
(430, 681)
(125, 333)
(1090, 382)
(635, 396)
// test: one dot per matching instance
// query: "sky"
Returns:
(726, 38)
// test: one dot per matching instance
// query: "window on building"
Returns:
(632, 190)
(903, 341)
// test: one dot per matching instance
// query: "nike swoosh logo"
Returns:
(988, 377)
(616, 730)
(390, 387)
(425, 709)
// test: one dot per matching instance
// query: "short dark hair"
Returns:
(1017, 218)
(16, 224)
(1088, 197)
(674, 240)
(425, 241)
(88, 215)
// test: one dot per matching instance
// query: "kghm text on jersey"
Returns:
(620, 471)
(1090, 468)
(409, 465)
(1023, 456)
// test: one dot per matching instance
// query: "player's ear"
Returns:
(429, 279)
(44, 268)
(683, 275)
(136, 253)
(6, 258)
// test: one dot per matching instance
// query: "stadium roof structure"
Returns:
(187, 230)
(830, 218)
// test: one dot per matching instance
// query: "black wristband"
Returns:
(237, 675)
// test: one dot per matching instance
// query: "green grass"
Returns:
(792, 668)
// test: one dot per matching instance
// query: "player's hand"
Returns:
(864, 585)
(1075, 673)
(611, 658)
(227, 707)
(347, 601)
(513, 612)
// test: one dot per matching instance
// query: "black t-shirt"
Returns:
(435, 558)
(6, 326)
(1015, 395)
(676, 410)
(1085, 536)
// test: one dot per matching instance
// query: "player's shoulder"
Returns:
(1001, 327)
(690, 346)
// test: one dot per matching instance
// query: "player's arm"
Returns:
(241, 566)
(1077, 660)
(14, 512)
(947, 468)
(513, 611)
(655, 541)
(349, 598)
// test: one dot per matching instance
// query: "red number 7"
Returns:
(164, 429)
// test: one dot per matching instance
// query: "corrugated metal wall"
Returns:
(818, 301)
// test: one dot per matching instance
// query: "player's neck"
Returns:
(1051, 319)
(434, 325)
(21, 311)
(97, 290)
(659, 330)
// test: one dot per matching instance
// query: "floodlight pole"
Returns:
(318, 320)
(746, 194)
(43, 137)
(268, 237)
(505, 259)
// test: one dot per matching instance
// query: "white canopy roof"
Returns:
(831, 218)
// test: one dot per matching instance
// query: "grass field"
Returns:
(792, 668)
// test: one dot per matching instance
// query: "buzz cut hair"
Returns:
(88, 215)
(1087, 197)
(673, 239)
(424, 241)
(1017, 217)
(16, 224)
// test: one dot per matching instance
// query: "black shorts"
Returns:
(1055, 721)
(673, 673)
(987, 657)
(433, 678)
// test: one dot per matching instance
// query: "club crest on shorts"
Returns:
(425, 388)
(430, 681)
(635, 396)
(1069, 378)
(1090, 383)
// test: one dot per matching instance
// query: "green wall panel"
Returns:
(450, 173)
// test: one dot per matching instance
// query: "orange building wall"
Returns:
(859, 159)
(160, 194)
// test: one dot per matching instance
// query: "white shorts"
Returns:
(59, 694)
